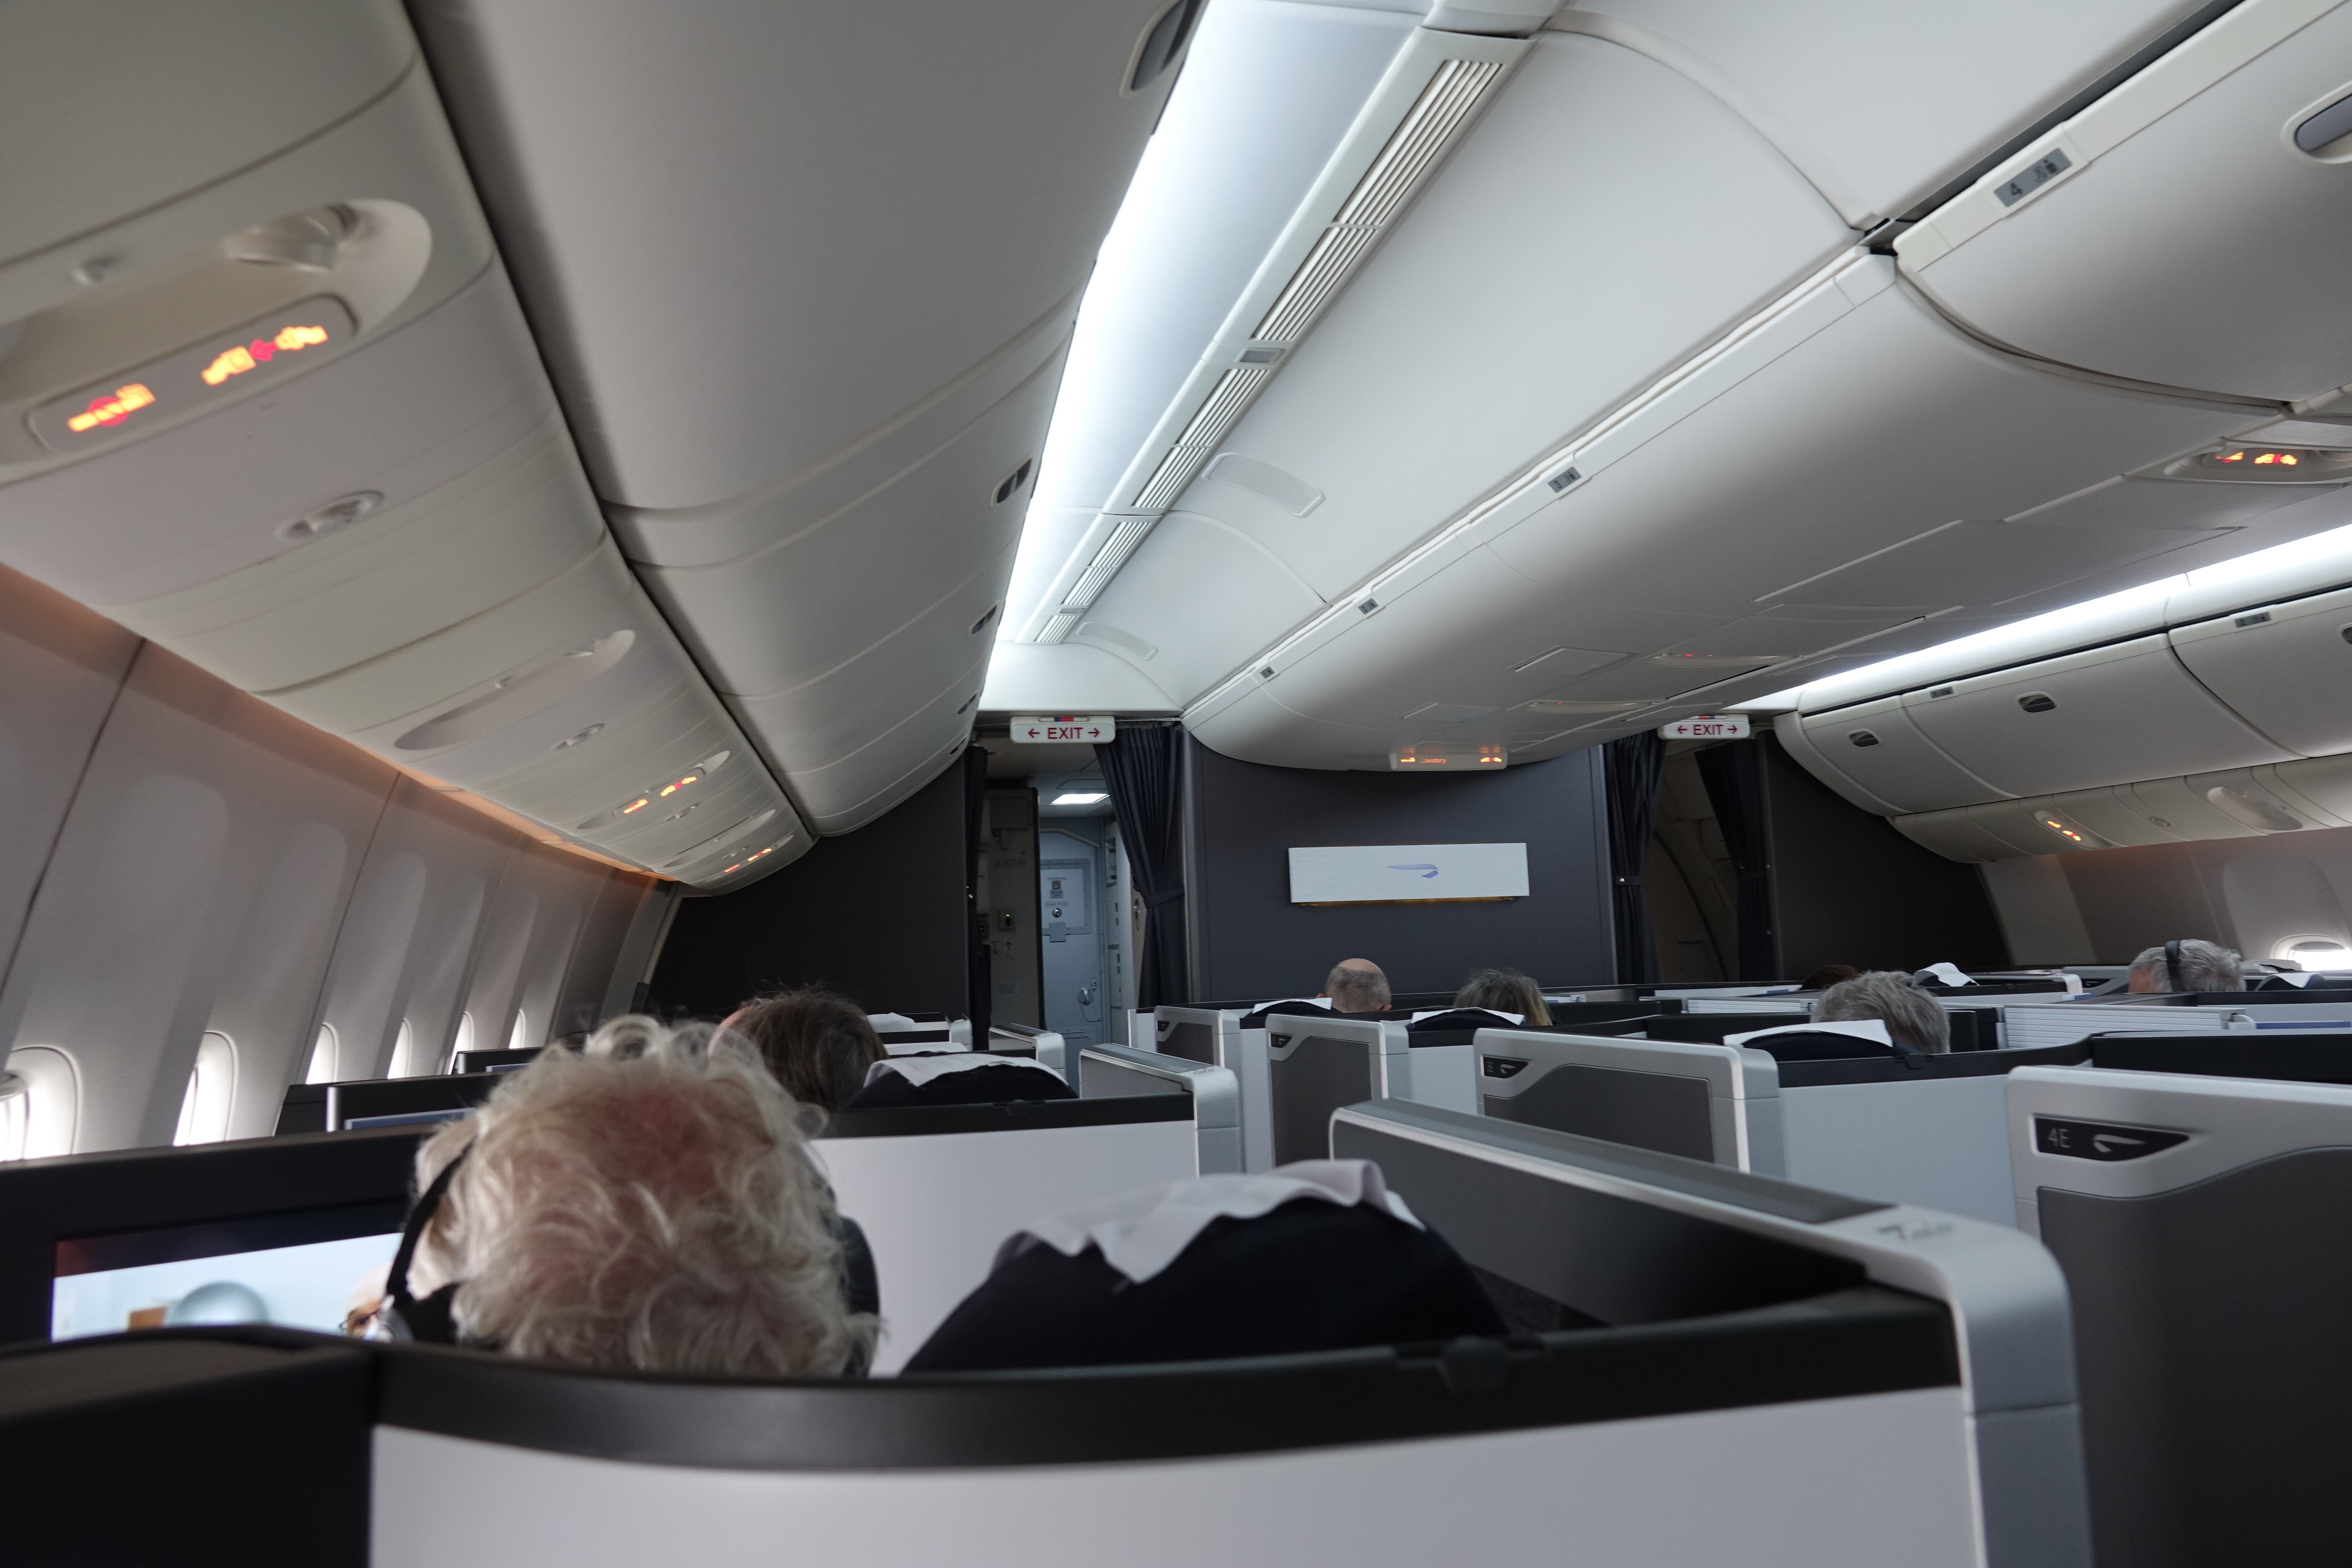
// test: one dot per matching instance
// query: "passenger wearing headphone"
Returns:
(649, 1203)
(2186, 964)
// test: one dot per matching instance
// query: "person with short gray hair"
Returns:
(1357, 985)
(2187, 964)
(1910, 1014)
(650, 1204)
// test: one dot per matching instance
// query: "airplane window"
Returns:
(519, 1040)
(211, 1094)
(11, 1117)
(322, 1057)
(40, 1104)
(404, 1052)
(2315, 952)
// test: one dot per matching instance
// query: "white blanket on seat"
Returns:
(1142, 1233)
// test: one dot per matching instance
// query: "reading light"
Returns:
(1081, 797)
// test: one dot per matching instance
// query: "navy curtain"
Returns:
(1143, 770)
(1635, 765)
(1734, 775)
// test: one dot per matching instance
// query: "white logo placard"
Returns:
(1064, 730)
(1379, 873)
(1707, 727)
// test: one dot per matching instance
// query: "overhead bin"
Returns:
(1816, 463)
(322, 462)
(1872, 158)
(2235, 803)
(2104, 716)
(813, 417)
(1876, 757)
(1556, 311)
(2268, 661)
(2184, 229)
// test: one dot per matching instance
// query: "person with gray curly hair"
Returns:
(649, 1202)
(2186, 964)
(1910, 1014)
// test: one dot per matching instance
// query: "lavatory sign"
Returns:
(1382, 873)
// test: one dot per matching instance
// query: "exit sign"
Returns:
(1707, 727)
(1063, 729)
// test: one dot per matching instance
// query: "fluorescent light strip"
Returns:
(1451, 93)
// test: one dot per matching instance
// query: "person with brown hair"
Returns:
(1505, 991)
(816, 1041)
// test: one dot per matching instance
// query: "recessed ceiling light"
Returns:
(1080, 797)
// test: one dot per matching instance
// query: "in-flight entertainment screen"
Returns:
(307, 1269)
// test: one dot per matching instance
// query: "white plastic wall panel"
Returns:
(2172, 805)
(60, 666)
(837, 376)
(159, 282)
(934, 527)
(2280, 668)
(2199, 251)
(1789, 728)
(1877, 748)
(196, 804)
(409, 937)
(2252, 797)
(415, 412)
(599, 984)
(931, 179)
(1998, 68)
(2321, 786)
(463, 549)
(862, 783)
(267, 986)
(2123, 712)
(125, 104)
(2111, 816)
(1830, 474)
(1496, 321)
(1205, 593)
(1269, 90)
(567, 889)
(2312, 566)
(1953, 834)
(2132, 614)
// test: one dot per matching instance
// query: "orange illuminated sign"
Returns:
(2259, 459)
(133, 399)
(244, 357)
(676, 785)
(111, 409)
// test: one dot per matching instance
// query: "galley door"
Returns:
(1069, 911)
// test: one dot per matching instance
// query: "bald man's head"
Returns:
(1357, 985)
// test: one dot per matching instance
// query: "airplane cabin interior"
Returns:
(1363, 782)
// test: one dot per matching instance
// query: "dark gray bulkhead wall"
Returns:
(1248, 940)
(879, 914)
